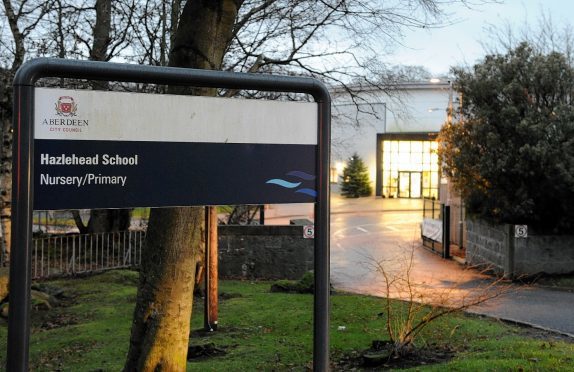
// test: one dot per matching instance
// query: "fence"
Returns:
(62, 221)
(65, 233)
(457, 224)
(432, 209)
(436, 227)
(70, 254)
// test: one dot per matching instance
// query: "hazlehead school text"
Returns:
(73, 159)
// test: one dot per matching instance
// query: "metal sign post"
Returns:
(26, 181)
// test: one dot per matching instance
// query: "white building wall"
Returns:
(354, 131)
(414, 108)
(418, 110)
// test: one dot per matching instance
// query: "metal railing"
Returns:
(62, 255)
(62, 221)
(432, 209)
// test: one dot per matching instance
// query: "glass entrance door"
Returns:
(416, 184)
(404, 184)
(410, 184)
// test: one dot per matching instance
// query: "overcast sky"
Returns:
(437, 49)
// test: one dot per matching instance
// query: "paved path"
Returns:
(539, 307)
(369, 231)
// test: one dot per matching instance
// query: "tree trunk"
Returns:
(160, 331)
(109, 220)
(102, 31)
(104, 220)
(6, 188)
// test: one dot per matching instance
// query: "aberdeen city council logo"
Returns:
(66, 106)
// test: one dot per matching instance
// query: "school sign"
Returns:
(78, 149)
(116, 150)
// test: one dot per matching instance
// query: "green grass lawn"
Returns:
(259, 330)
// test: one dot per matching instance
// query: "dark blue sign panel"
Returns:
(123, 174)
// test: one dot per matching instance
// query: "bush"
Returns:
(304, 285)
(512, 155)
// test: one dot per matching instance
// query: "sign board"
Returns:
(85, 149)
(520, 231)
(432, 229)
(117, 150)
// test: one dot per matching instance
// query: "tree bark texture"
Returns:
(160, 330)
(104, 220)
(173, 249)
(102, 31)
(6, 187)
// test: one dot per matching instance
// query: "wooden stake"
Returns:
(211, 272)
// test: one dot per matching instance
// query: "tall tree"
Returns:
(104, 220)
(160, 331)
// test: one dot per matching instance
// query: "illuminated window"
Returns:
(409, 169)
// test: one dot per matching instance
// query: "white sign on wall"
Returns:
(309, 231)
(520, 231)
(432, 229)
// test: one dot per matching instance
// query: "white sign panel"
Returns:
(432, 229)
(114, 116)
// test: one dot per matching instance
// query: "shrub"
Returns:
(355, 179)
(511, 156)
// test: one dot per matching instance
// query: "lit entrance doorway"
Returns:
(407, 166)
(410, 184)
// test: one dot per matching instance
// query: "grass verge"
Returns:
(259, 330)
(563, 282)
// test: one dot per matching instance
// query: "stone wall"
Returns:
(486, 245)
(264, 252)
(495, 246)
(544, 254)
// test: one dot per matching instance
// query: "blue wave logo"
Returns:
(292, 185)
(283, 183)
(309, 192)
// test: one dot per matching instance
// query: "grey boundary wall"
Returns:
(496, 247)
(264, 252)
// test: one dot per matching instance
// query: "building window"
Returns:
(409, 169)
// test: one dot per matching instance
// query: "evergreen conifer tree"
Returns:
(355, 178)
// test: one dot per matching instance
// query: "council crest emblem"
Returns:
(66, 106)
